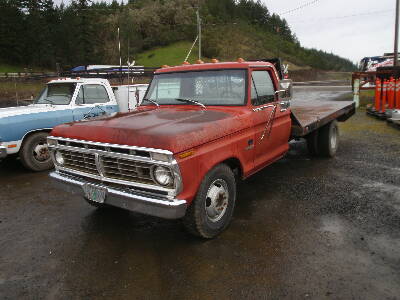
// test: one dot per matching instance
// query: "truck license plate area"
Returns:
(94, 193)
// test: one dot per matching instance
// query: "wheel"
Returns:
(312, 143)
(212, 209)
(328, 139)
(35, 154)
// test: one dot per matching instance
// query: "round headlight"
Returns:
(59, 158)
(162, 176)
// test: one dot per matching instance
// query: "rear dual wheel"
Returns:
(324, 142)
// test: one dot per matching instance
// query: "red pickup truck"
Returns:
(199, 130)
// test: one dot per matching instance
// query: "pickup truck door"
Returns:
(92, 101)
(272, 123)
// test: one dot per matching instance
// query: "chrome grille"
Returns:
(84, 162)
(113, 164)
(124, 169)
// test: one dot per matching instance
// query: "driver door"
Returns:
(272, 122)
(92, 101)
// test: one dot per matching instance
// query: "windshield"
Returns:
(221, 87)
(57, 94)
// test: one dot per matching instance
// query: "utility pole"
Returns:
(396, 35)
(199, 30)
(120, 59)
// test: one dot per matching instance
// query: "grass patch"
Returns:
(5, 68)
(10, 89)
(171, 55)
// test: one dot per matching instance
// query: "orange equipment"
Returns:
(397, 100)
(382, 107)
(378, 93)
(391, 93)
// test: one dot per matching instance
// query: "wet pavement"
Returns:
(303, 228)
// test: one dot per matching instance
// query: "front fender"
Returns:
(204, 158)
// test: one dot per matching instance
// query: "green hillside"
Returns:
(172, 55)
(37, 34)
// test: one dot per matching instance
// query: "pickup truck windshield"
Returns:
(222, 87)
(57, 94)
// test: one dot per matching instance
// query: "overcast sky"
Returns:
(350, 28)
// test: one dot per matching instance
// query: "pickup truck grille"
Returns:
(83, 162)
(112, 167)
(126, 166)
(127, 170)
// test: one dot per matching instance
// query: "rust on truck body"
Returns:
(251, 136)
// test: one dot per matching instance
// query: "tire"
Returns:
(34, 153)
(211, 211)
(328, 139)
(312, 143)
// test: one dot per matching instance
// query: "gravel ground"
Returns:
(303, 228)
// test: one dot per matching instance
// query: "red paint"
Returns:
(216, 133)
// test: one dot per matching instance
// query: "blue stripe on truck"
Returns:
(14, 128)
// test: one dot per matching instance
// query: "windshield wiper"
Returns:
(191, 101)
(151, 101)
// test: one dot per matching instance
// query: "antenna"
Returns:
(199, 30)
(119, 50)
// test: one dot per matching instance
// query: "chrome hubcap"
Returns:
(41, 152)
(217, 200)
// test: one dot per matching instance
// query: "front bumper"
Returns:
(3, 152)
(145, 204)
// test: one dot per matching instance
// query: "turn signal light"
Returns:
(240, 60)
(186, 154)
(199, 61)
(214, 61)
(164, 66)
(186, 63)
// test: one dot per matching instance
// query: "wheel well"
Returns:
(236, 166)
(33, 132)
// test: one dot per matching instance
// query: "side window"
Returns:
(264, 90)
(92, 94)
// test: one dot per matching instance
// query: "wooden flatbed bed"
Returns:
(309, 115)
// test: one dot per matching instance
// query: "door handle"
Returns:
(263, 107)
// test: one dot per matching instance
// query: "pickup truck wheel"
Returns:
(34, 153)
(328, 139)
(211, 211)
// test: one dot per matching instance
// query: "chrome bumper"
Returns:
(3, 152)
(167, 209)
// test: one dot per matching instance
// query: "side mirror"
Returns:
(279, 91)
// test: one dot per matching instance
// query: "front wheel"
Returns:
(212, 209)
(35, 154)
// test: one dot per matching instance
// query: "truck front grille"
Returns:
(128, 170)
(126, 166)
(83, 162)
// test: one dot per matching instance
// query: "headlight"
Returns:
(162, 176)
(59, 158)
(52, 142)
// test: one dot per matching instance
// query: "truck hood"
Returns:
(168, 128)
(30, 109)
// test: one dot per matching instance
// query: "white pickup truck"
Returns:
(24, 129)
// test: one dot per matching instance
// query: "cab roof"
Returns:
(78, 80)
(214, 66)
